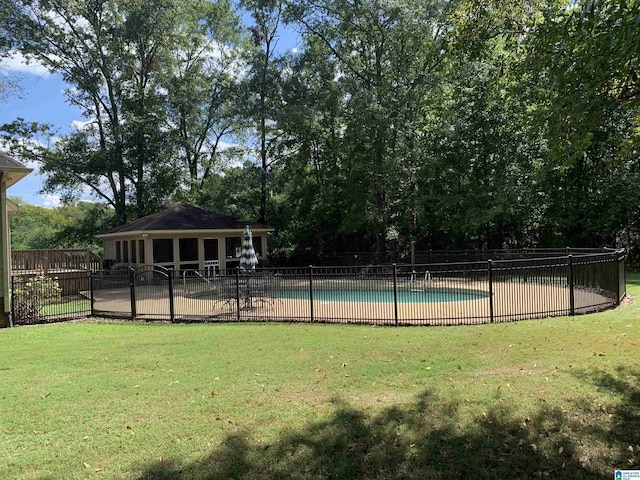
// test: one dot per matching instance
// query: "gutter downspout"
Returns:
(5, 253)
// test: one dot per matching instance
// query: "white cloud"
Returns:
(81, 125)
(17, 62)
(222, 146)
(31, 164)
(50, 200)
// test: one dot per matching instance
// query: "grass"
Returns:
(64, 308)
(556, 398)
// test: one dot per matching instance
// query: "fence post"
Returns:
(13, 301)
(311, 291)
(622, 275)
(91, 291)
(572, 305)
(616, 262)
(172, 307)
(490, 270)
(132, 289)
(623, 259)
(395, 294)
(238, 293)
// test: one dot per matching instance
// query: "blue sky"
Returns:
(41, 99)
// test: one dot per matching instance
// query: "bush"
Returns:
(31, 294)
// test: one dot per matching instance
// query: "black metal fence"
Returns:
(452, 293)
(423, 257)
(45, 298)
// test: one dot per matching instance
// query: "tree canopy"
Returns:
(464, 124)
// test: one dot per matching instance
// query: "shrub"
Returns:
(31, 294)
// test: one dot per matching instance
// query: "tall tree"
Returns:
(109, 53)
(264, 85)
(203, 89)
(8, 29)
(233, 191)
(586, 58)
(122, 61)
(388, 54)
(315, 193)
(476, 188)
(582, 64)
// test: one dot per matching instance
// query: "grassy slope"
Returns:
(556, 397)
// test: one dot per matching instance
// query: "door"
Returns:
(211, 256)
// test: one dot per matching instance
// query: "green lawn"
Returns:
(66, 308)
(554, 398)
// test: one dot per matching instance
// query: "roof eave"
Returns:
(199, 231)
(15, 174)
(12, 208)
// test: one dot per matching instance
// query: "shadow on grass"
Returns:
(617, 424)
(429, 440)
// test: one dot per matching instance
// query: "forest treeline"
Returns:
(65, 226)
(459, 123)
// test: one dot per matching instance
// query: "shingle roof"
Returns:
(184, 217)
(12, 169)
(7, 161)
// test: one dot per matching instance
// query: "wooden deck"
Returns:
(53, 261)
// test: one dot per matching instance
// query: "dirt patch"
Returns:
(115, 320)
(627, 300)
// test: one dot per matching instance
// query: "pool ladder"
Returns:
(414, 280)
(197, 274)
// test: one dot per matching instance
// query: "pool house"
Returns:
(182, 238)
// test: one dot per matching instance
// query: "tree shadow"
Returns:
(616, 424)
(430, 439)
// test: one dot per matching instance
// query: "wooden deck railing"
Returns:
(54, 260)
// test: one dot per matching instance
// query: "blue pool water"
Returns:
(429, 295)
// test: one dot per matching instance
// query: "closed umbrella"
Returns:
(248, 259)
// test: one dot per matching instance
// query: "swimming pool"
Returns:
(427, 295)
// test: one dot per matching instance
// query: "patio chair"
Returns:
(266, 289)
(365, 272)
(226, 292)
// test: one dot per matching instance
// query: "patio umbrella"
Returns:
(248, 259)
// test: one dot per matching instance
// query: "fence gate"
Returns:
(152, 293)
(112, 293)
